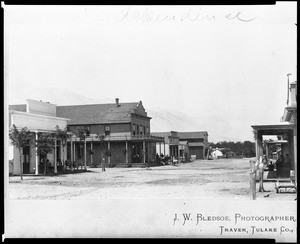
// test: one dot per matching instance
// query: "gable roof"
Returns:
(192, 135)
(98, 113)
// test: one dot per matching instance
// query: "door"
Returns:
(26, 159)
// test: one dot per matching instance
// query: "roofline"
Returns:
(139, 115)
(93, 104)
(38, 115)
(120, 122)
(282, 125)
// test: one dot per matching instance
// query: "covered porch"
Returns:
(285, 158)
(124, 150)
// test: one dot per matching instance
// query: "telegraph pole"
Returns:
(287, 101)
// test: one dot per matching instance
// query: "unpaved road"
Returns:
(201, 179)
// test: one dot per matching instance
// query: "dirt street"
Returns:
(201, 179)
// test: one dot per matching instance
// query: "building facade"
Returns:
(38, 117)
(183, 144)
(197, 143)
(126, 128)
(170, 145)
(286, 132)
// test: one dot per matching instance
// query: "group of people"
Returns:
(45, 163)
(282, 165)
(166, 159)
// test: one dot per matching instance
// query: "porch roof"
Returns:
(273, 129)
(125, 138)
(276, 142)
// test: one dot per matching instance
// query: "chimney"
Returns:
(293, 94)
(117, 102)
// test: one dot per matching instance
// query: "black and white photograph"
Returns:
(150, 121)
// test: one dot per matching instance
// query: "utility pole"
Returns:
(288, 89)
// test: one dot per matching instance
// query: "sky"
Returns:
(223, 62)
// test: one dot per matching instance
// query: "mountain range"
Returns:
(219, 128)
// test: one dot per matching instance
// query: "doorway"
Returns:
(26, 160)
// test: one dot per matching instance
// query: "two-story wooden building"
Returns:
(286, 132)
(126, 127)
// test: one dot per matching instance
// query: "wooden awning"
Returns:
(274, 129)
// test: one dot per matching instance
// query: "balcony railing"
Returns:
(124, 137)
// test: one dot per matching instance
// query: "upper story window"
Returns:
(107, 129)
(134, 129)
(141, 130)
(87, 130)
(147, 130)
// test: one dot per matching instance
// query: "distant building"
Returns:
(197, 143)
(170, 145)
(37, 116)
(216, 153)
(183, 144)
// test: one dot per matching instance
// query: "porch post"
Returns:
(258, 144)
(295, 151)
(178, 149)
(74, 152)
(159, 148)
(144, 152)
(55, 156)
(267, 150)
(253, 170)
(260, 148)
(92, 150)
(148, 148)
(71, 144)
(126, 155)
(84, 154)
(62, 156)
(108, 147)
(36, 156)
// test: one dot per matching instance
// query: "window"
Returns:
(87, 130)
(147, 130)
(134, 129)
(141, 130)
(107, 130)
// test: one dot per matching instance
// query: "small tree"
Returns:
(63, 136)
(45, 144)
(19, 139)
(101, 138)
(82, 134)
